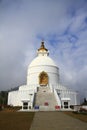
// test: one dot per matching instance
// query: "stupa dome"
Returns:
(41, 61)
(42, 64)
(42, 58)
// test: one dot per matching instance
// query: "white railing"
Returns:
(57, 98)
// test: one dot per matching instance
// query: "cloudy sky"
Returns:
(63, 26)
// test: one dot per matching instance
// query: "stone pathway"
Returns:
(56, 121)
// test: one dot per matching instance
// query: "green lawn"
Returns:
(16, 120)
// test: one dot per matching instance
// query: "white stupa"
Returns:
(43, 90)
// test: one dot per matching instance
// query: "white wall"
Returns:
(33, 74)
(15, 97)
(74, 96)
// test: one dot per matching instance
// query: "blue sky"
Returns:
(63, 26)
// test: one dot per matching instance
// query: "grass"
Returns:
(16, 120)
(80, 116)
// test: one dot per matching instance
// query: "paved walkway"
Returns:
(56, 121)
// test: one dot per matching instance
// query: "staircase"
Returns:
(45, 99)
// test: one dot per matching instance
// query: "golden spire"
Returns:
(42, 48)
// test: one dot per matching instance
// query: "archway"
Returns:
(43, 78)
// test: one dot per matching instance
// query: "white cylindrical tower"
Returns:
(42, 70)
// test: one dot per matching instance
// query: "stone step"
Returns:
(43, 96)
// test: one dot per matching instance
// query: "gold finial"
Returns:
(42, 47)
